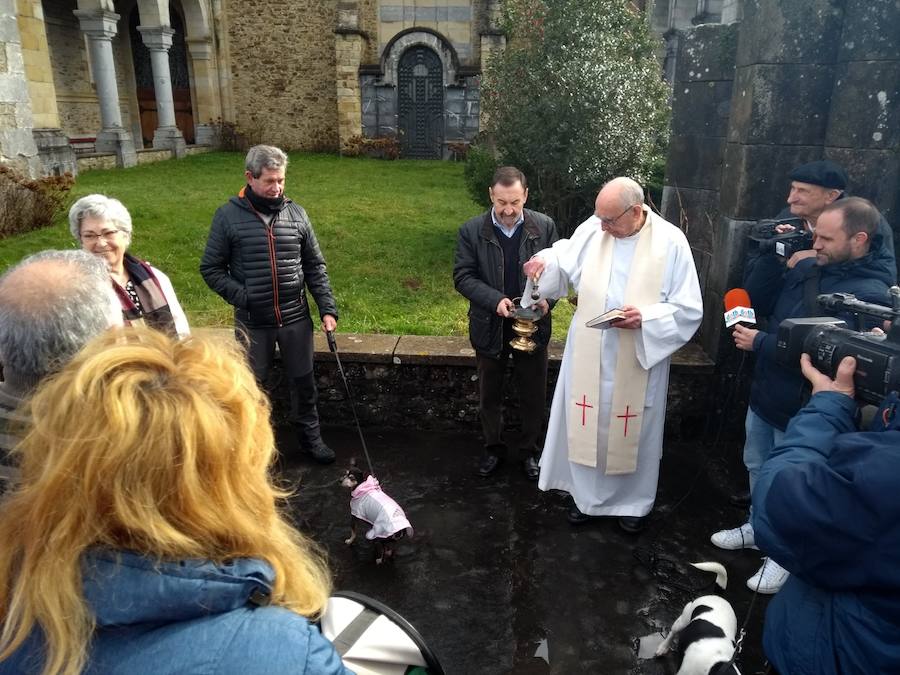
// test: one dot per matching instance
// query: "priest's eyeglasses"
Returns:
(609, 222)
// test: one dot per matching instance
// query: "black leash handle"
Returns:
(332, 346)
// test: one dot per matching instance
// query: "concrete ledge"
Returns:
(457, 351)
(358, 347)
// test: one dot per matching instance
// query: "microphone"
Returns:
(737, 308)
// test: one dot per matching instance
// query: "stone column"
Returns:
(158, 40)
(348, 50)
(490, 42)
(701, 97)
(205, 100)
(100, 26)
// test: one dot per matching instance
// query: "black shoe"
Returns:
(489, 464)
(320, 452)
(532, 469)
(740, 499)
(575, 516)
(632, 524)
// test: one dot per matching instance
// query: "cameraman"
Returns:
(847, 260)
(814, 186)
(827, 508)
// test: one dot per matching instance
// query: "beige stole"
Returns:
(630, 383)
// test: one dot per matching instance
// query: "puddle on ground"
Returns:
(647, 645)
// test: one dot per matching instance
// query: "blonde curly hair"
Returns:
(153, 445)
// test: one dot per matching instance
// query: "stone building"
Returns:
(118, 76)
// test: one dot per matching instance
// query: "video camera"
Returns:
(768, 240)
(827, 341)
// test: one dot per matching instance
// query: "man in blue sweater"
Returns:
(851, 256)
(826, 508)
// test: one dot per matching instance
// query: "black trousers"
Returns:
(295, 345)
(530, 376)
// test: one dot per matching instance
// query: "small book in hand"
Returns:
(605, 320)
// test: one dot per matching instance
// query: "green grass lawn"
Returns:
(387, 230)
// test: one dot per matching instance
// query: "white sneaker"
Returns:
(731, 540)
(770, 577)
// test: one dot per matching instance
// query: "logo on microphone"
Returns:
(739, 315)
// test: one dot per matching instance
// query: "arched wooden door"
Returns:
(420, 104)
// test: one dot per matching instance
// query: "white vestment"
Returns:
(665, 327)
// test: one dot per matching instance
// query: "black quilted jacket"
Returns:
(263, 270)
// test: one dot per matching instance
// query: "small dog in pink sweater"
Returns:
(369, 504)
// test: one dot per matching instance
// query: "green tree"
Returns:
(575, 99)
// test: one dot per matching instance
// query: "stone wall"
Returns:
(17, 147)
(91, 162)
(282, 64)
(432, 383)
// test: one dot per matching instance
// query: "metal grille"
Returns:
(420, 103)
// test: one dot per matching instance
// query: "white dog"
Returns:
(705, 630)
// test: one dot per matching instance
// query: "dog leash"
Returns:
(739, 643)
(332, 345)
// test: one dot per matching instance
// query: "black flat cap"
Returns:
(822, 172)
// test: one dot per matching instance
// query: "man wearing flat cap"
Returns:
(814, 186)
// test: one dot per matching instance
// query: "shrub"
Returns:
(381, 147)
(459, 150)
(575, 99)
(478, 172)
(27, 204)
(234, 137)
(226, 136)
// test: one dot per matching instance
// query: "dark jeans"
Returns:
(530, 372)
(295, 345)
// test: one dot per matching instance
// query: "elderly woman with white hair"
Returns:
(103, 227)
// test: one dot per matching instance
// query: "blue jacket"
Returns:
(776, 392)
(191, 617)
(826, 507)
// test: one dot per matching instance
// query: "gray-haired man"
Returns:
(51, 304)
(261, 256)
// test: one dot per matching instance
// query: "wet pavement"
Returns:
(495, 574)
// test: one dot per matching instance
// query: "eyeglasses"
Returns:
(609, 222)
(92, 237)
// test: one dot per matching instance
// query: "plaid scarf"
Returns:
(156, 313)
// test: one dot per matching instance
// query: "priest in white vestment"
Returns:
(604, 439)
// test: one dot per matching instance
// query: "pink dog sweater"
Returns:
(369, 503)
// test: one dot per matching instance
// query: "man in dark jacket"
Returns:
(490, 251)
(827, 509)
(261, 256)
(850, 258)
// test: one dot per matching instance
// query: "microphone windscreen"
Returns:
(736, 297)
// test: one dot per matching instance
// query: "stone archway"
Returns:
(420, 103)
